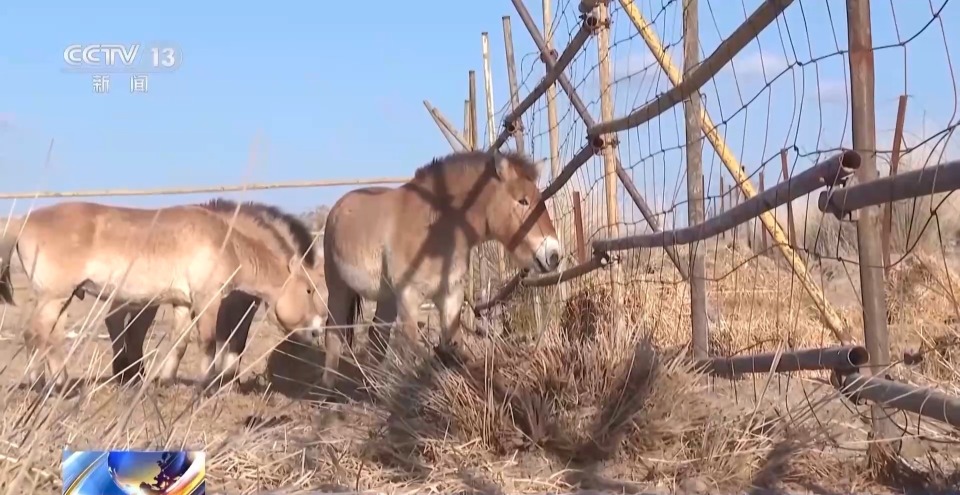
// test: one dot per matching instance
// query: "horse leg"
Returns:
(43, 336)
(233, 329)
(449, 305)
(115, 323)
(408, 310)
(136, 334)
(383, 320)
(181, 324)
(127, 338)
(340, 300)
(207, 326)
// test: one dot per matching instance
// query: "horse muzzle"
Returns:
(308, 336)
(547, 256)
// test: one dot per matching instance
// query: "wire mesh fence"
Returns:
(785, 87)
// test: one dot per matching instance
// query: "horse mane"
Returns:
(265, 216)
(472, 160)
(301, 234)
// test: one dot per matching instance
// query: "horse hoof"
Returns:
(164, 381)
(448, 357)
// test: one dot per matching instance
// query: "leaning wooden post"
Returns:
(446, 128)
(894, 167)
(729, 160)
(560, 200)
(864, 126)
(691, 111)
(609, 145)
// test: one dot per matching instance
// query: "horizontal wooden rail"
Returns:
(202, 190)
(543, 280)
(924, 401)
(917, 183)
(829, 172)
(849, 358)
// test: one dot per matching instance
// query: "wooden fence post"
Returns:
(512, 79)
(609, 148)
(863, 113)
(561, 199)
(694, 151)
(491, 128)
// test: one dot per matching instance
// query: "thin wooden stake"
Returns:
(723, 202)
(467, 129)
(763, 233)
(791, 225)
(894, 167)
(578, 228)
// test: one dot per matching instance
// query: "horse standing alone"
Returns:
(185, 256)
(401, 246)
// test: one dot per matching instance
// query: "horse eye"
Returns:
(524, 202)
(310, 291)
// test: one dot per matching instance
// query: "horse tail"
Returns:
(8, 243)
(355, 315)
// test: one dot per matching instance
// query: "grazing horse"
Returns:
(236, 310)
(401, 246)
(185, 256)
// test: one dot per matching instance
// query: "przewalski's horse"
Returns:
(402, 246)
(186, 256)
(128, 324)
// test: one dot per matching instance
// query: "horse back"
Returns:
(76, 241)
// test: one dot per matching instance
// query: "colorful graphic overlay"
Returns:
(133, 472)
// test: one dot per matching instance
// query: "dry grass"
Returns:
(578, 405)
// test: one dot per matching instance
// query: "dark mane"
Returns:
(301, 234)
(265, 216)
(471, 159)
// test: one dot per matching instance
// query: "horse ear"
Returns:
(502, 164)
(294, 263)
(538, 167)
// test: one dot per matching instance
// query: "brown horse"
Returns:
(128, 324)
(185, 256)
(402, 246)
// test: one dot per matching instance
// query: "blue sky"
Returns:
(337, 93)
